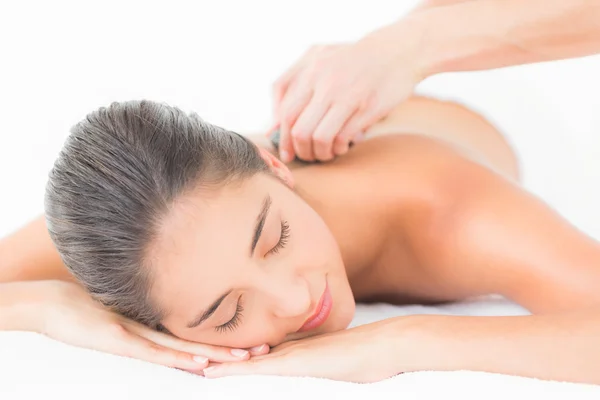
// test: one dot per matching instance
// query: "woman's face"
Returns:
(248, 264)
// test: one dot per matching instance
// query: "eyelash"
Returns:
(234, 321)
(283, 239)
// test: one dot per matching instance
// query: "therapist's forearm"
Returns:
(553, 347)
(487, 34)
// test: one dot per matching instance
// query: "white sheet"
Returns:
(33, 366)
(219, 58)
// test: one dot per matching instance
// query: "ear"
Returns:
(277, 167)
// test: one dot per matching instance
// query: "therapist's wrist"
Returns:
(405, 40)
(420, 31)
(467, 36)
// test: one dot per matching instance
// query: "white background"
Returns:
(60, 60)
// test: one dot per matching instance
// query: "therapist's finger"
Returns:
(303, 148)
(329, 128)
(354, 130)
(280, 88)
(282, 84)
(305, 125)
(294, 102)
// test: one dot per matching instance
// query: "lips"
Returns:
(321, 313)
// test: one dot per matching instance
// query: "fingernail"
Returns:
(239, 352)
(285, 156)
(200, 359)
(257, 348)
(209, 370)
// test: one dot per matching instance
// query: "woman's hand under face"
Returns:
(70, 315)
(361, 354)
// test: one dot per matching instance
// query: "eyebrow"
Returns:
(260, 223)
(204, 315)
(258, 228)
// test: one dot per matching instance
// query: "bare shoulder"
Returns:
(468, 230)
(406, 168)
(395, 179)
(402, 193)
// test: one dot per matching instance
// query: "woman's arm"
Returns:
(485, 34)
(562, 347)
(21, 305)
(29, 254)
(558, 347)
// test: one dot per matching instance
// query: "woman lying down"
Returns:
(172, 240)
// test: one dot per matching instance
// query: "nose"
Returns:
(290, 298)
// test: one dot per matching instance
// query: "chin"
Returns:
(344, 304)
(343, 310)
(343, 317)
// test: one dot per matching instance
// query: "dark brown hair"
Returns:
(114, 180)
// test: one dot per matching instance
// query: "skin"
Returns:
(333, 93)
(427, 209)
(346, 244)
(278, 288)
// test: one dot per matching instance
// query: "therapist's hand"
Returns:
(334, 93)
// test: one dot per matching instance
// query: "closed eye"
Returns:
(234, 322)
(283, 238)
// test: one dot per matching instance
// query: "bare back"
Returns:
(359, 194)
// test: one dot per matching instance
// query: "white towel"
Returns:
(33, 366)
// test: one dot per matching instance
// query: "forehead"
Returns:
(204, 237)
(206, 218)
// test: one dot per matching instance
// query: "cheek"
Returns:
(314, 239)
(321, 251)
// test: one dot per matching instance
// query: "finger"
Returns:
(293, 104)
(341, 143)
(131, 345)
(328, 129)
(303, 147)
(214, 353)
(340, 146)
(281, 85)
(354, 130)
(305, 125)
(280, 88)
(259, 350)
(359, 137)
(286, 147)
(360, 123)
